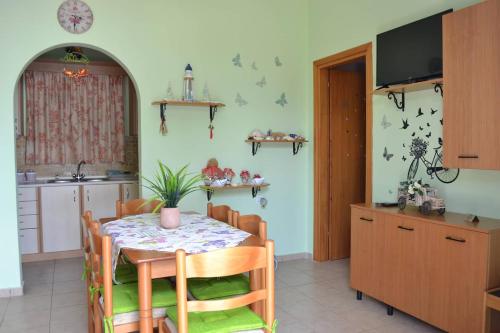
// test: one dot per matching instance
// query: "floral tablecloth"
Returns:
(197, 233)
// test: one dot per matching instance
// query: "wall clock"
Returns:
(75, 16)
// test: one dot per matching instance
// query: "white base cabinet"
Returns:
(101, 199)
(130, 191)
(60, 210)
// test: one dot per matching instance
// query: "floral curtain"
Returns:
(70, 120)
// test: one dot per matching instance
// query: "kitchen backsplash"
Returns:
(131, 162)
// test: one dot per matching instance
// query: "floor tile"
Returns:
(310, 297)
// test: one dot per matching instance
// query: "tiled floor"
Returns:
(310, 297)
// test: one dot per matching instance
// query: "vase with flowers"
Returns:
(170, 188)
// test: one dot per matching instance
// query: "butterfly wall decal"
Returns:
(433, 111)
(413, 134)
(428, 135)
(440, 141)
(404, 158)
(385, 123)
(282, 100)
(240, 101)
(277, 62)
(441, 121)
(405, 124)
(254, 66)
(420, 128)
(420, 113)
(262, 82)
(428, 125)
(386, 155)
(237, 61)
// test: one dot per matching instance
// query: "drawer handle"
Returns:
(405, 228)
(468, 156)
(366, 219)
(461, 240)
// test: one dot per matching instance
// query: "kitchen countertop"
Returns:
(40, 183)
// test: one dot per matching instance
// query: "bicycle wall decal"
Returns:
(418, 150)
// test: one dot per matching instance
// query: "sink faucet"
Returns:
(78, 176)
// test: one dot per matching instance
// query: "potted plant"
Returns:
(170, 188)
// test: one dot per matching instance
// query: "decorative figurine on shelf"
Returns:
(229, 174)
(420, 195)
(256, 135)
(245, 176)
(257, 179)
(188, 84)
(212, 172)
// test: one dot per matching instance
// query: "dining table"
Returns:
(151, 248)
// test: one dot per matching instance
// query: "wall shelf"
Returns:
(402, 89)
(296, 144)
(255, 188)
(212, 106)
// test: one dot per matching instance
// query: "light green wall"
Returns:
(155, 40)
(335, 26)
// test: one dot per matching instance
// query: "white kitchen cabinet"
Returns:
(130, 191)
(60, 213)
(101, 199)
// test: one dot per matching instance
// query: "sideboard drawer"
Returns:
(27, 208)
(26, 194)
(28, 221)
(29, 241)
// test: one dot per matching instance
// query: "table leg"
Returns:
(145, 298)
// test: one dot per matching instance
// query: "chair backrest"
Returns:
(252, 224)
(225, 262)
(219, 213)
(135, 207)
(100, 249)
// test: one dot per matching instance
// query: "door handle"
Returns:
(88, 196)
(366, 219)
(128, 194)
(468, 156)
(460, 240)
(405, 228)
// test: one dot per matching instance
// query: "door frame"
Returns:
(321, 69)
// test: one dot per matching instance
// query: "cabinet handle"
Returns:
(128, 194)
(366, 219)
(405, 228)
(88, 196)
(468, 156)
(461, 240)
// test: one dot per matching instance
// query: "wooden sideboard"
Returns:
(435, 268)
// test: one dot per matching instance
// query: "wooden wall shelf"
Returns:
(255, 188)
(409, 87)
(163, 107)
(402, 89)
(296, 144)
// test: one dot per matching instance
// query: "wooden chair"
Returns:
(107, 297)
(86, 221)
(135, 207)
(252, 224)
(224, 262)
(221, 213)
(491, 303)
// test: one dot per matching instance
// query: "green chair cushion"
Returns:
(233, 320)
(126, 296)
(211, 288)
(125, 273)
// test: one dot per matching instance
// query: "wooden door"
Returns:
(347, 155)
(367, 246)
(101, 199)
(457, 266)
(130, 191)
(404, 265)
(471, 53)
(60, 213)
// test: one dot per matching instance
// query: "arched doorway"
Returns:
(77, 113)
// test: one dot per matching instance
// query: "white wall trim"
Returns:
(295, 256)
(11, 292)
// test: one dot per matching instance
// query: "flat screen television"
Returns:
(411, 53)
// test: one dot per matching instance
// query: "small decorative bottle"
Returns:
(188, 84)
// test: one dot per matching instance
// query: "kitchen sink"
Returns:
(85, 180)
